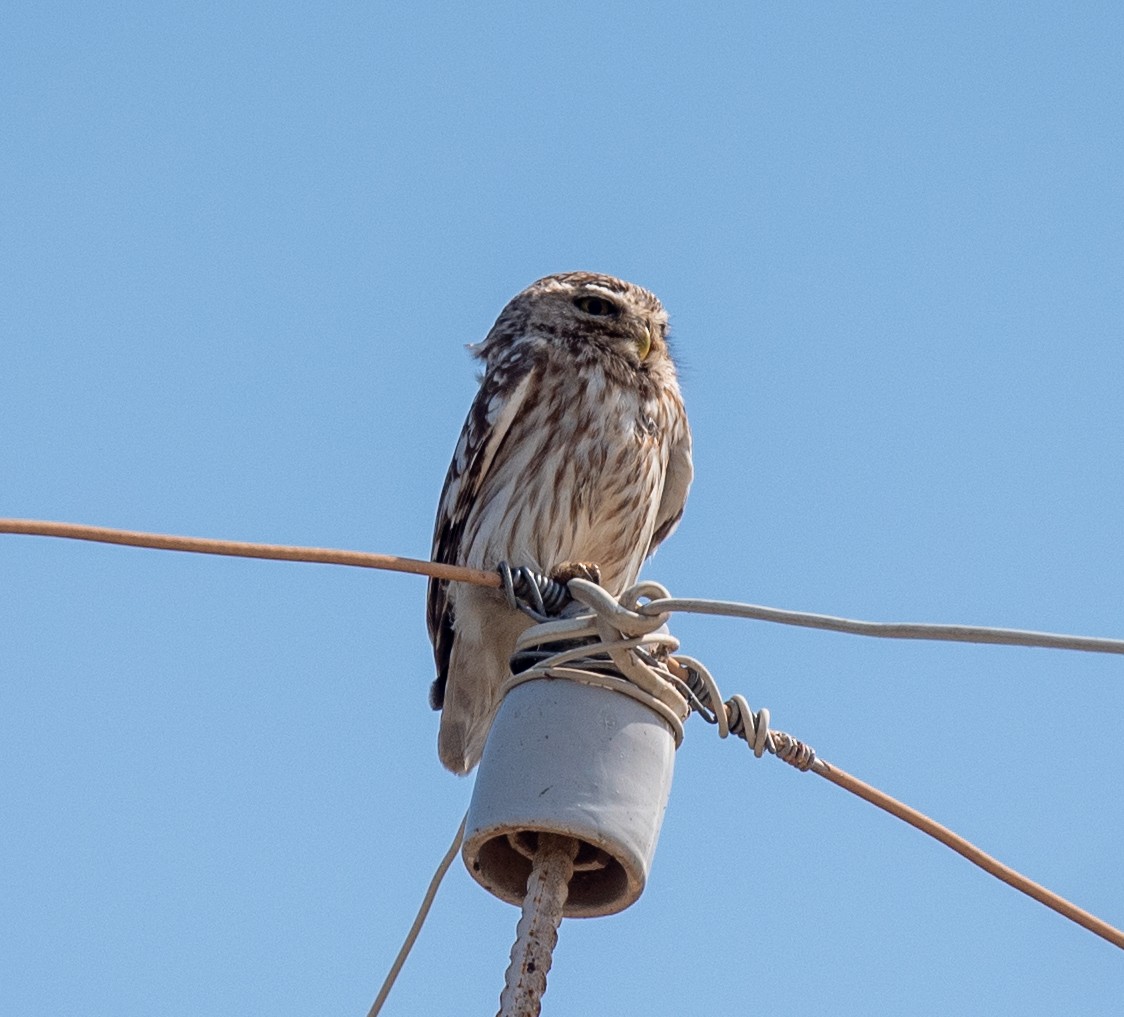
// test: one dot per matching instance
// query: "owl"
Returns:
(575, 459)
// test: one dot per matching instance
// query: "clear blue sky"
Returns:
(241, 248)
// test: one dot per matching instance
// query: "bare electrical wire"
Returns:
(754, 727)
(241, 549)
(968, 850)
(622, 629)
(481, 577)
(887, 630)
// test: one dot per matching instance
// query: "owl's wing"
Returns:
(499, 402)
(676, 482)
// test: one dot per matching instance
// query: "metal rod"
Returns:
(536, 935)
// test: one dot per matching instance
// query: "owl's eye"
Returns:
(599, 307)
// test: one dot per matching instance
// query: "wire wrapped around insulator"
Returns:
(687, 674)
(753, 727)
(793, 751)
(532, 592)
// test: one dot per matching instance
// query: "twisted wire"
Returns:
(732, 716)
(551, 598)
(735, 716)
(532, 592)
(618, 643)
(610, 645)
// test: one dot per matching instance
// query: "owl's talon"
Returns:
(568, 570)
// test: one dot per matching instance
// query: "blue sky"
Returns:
(242, 247)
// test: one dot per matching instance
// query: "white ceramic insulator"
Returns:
(578, 761)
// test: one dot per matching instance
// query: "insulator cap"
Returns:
(580, 761)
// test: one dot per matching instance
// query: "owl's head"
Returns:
(586, 315)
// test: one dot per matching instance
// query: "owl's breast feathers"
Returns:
(576, 448)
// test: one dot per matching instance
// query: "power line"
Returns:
(968, 850)
(632, 614)
(482, 577)
(242, 549)
(630, 619)
(588, 648)
(888, 630)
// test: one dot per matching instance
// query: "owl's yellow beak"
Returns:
(644, 341)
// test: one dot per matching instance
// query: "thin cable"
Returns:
(240, 549)
(481, 577)
(968, 850)
(753, 726)
(734, 716)
(419, 921)
(885, 630)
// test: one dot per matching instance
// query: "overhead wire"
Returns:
(629, 619)
(887, 630)
(968, 850)
(754, 727)
(244, 549)
(483, 577)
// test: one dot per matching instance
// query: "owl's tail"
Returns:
(485, 632)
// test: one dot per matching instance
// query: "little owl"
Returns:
(575, 459)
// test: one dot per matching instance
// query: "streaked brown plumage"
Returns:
(576, 449)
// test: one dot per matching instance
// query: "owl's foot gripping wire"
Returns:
(587, 570)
